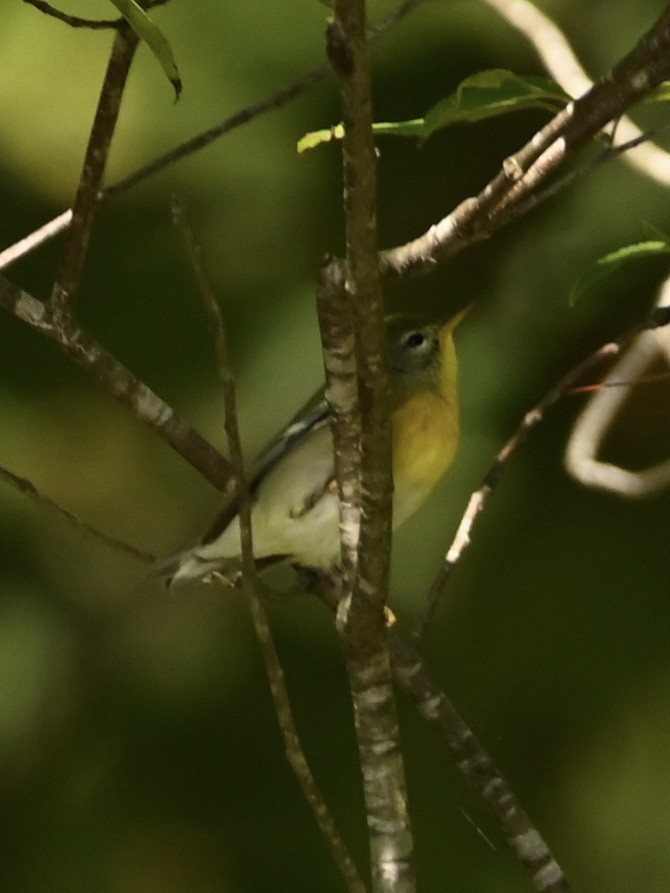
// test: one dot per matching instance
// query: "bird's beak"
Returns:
(456, 320)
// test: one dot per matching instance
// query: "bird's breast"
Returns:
(425, 433)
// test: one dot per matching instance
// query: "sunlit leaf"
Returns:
(483, 95)
(491, 93)
(610, 263)
(151, 34)
(660, 94)
(317, 137)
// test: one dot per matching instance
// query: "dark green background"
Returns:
(138, 747)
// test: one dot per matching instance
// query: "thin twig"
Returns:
(609, 153)
(277, 100)
(480, 498)
(477, 218)
(293, 747)
(119, 382)
(79, 22)
(67, 282)
(28, 489)
(624, 383)
(559, 59)
(73, 21)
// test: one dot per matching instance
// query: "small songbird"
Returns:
(295, 510)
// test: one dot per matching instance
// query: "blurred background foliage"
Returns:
(138, 746)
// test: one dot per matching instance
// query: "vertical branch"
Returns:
(274, 670)
(68, 279)
(348, 54)
(339, 356)
(351, 303)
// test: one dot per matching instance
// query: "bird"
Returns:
(294, 511)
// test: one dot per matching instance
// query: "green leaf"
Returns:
(317, 137)
(659, 94)
(483, 95)
(151, 34)
(491, 93)
(608, 264)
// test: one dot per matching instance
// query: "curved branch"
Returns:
(73, 21)
(595, 420)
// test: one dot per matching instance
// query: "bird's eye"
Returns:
(415, 339)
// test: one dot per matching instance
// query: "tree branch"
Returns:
(477, 218)
(295, 753)
(119, 382)
(68, 279)
(25, 487)
(472, 760)
(478, 769)
(562, 64)
(478, 501)
(277, 100)
(74, 21)
(353, 295)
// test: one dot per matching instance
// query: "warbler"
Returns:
(295, 514)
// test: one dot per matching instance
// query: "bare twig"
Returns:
(79, 22)
(475, 219)
(67, 282)
(295, 753)
(561, 62)
(275, 101)
(659, 317)
(292, 745)
(33, 240)
(609, 153)
(361, 621)
(593, 423)
(217, 330)
(119, 382)
(73, 21)
(28, 489)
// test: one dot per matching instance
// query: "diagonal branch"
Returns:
(69, 275)
(473, 761)
(477, 218)
(478, 769)
(28, 489)
(295, 753)
(118, 381)
(562, 64)
(478, 501)
(277, 100)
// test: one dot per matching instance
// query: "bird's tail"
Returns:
(184, 569)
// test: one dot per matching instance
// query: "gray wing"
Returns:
(313, 416)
